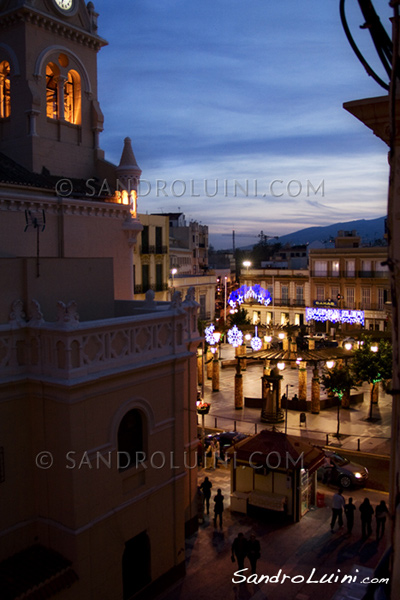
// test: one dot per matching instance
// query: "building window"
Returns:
(52, 99)
(145, 239)
(334, 293)
(145, 278)
(285, 294)
(159, 278)
(130, 440)
(159, 247)
(366, 298)
(5, 87)
(335, 268)
(350, 301)
(202, 311)
(381, 298)
(299, 295)
(350, 268)
(72, 98)
(320, 291)
(136, 565)
(321, 268)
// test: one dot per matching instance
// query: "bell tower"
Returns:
(50, 118)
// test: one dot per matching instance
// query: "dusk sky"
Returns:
(218, 91)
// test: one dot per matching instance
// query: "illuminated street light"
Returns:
(374, 348)
(247, 264)
(267, 338)
(348, 346)
(330, 364)
(281, 366)
(281, 336)
(173, 272)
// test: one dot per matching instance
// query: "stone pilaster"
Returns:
(315, 392)
(303, 381)
(215, 373)
(209, 365)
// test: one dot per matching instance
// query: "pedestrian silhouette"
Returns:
(381, 512)
(239, 550)
(253, 552)
(218, 508)
(206, 489)
(349, 509)
(366, 518)
(337, 509)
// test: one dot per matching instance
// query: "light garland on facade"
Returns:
(353, 317)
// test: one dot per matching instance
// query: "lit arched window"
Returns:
(130, 440)
(72, 98)
(52, 99)
(5, 99)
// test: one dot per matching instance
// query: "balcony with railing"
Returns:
(65, 351)
(156, 287)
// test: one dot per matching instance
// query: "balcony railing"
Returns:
(351, 274)
(156, 287)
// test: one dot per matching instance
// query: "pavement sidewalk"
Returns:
(291, 549)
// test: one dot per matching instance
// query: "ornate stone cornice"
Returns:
(50, 23)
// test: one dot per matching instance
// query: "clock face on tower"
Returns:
(64, 4)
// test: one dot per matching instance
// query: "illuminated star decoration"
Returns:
(249, 292)
(235, 337)
(256, 343)
(209, 334)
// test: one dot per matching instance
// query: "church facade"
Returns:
(98, 426)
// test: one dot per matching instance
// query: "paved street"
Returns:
(294, 548)
(373, 436)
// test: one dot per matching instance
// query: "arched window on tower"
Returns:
(72, 98)
(131, 440)
(52, 99)
(5, 97)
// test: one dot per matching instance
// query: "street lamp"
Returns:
(374, 348)
(225, 284)
(247, 264)
(173, 272)
(281, 366)
(330, 364)
(348, 346)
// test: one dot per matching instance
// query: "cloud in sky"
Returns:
(225, 90)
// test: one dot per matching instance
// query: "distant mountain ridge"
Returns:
(368, 229)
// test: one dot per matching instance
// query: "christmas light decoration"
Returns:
(353, 317)
(209, 334)
(235, 337)
(249, 292)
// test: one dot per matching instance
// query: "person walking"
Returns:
(239, 550)
(366, 518)
(206, 489)
(349, 509)
(381, 512)
(253, 552)
(218, 507)
(337, 509)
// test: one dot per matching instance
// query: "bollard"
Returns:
(358, 445)
(234, 425)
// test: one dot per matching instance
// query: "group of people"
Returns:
(203, 501)
(242, 548)
(367, 512)
(209, 456)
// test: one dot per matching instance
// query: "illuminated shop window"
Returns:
(5, 97)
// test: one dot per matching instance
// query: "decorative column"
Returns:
(199, 366)
(209, 361)
(215, 372)
(303, 381)
(239, 403)
(315, 392)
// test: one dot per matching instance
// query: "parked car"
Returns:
(338, 470)
(226, 440)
